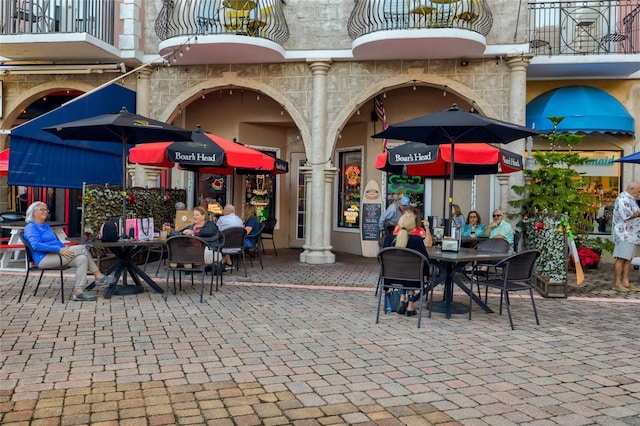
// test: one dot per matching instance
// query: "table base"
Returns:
(127, 290)
(456, 307)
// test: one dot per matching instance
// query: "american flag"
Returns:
(382, 116)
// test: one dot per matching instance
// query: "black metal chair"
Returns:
(404, 269)
(234, 245)
(158, 249)
(186, 254)
(517, 236)
(517, 275)
(267, 234)
(486, 270)
(255, 250)
(32, 267)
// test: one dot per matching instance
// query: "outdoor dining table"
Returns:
(454, 262)
(125, 251)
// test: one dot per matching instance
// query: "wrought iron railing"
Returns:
(254, 18)
(369, 16)
(584, 27)
(95, 17)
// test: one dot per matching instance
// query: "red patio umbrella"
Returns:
(435, 160)
(207, 153)
(4, 162)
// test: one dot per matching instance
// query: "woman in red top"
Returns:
(421, 229)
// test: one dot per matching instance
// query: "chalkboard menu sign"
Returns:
(370, 216)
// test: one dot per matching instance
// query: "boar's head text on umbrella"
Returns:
(455, 126)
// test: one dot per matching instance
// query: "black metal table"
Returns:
(455, 262)
(125, 251)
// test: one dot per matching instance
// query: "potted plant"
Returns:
(553, 189)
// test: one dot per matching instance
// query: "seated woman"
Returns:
(407, 224)
(204, 228)
(421, 229)
(474, 225)
(45, 243)
(252, 225)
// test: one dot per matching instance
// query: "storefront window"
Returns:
(260, 191)
(349, 182)
(212, 192)
(601, 176)
(411, 186)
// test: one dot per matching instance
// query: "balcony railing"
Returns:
(253, 18)
(369, 16)
(584, 27)
(95, 17)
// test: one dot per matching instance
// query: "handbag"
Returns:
(131, 226)
(211, 256)
(144, 231)
(391, 301)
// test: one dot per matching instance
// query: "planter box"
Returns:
(549, 289)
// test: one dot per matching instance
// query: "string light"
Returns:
(231, 91)
(203, 96)
(188, 47)
(414, 85)
(444, 92)
(258, 96)
(384, 95)
(181, 53)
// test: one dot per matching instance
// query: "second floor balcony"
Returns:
(59, 30)
(584, 38)
(584, 27)
(419, 29)
(222, 31)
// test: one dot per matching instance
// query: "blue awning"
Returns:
(586, 109)
(38, 158)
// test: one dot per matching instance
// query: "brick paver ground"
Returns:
(297, 344)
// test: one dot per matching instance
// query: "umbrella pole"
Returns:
(123, 231)
(451, 175)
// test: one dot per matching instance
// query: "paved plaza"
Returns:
(297, 344)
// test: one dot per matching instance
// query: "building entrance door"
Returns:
(297, 206)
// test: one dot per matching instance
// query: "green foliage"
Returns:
(597, 244)
(554, 186)
(101, 203)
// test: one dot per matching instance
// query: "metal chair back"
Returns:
(401, 268)
(185, 253)
(234, 244)
(31, 266)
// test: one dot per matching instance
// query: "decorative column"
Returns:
(517, 114)
(329, 178)
(143, 94)
(504, 186)
(318, 230)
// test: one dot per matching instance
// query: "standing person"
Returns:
(391, 215)
(499, 228)
(252, 225)
(458, 217)
(43, 240)
(229, 218)
(474, 225)
(407, 224)
(624, 234)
